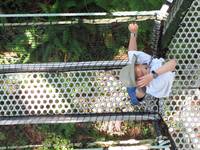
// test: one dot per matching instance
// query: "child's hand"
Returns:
(133, 27)
(144, 80)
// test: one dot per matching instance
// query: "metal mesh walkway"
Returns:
(61, 93)
(34, 94)
(181, 110)
(74, 91)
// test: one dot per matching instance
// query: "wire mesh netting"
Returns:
(76, 42)
(87, 86)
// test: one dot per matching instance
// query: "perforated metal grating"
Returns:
(75, 92)
(83, 89)
(182, 109)
(97, 91)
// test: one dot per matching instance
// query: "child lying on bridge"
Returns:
(145, 74)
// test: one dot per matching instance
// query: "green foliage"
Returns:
(144, 35)
(89, 132)
(57, 136)
(55, 142)
(12, 136)
(138, 5)
(2, 136)
(64, 130)
(56, 6)
(80, 42)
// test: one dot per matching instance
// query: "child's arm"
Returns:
(168, 66)
(133, 28)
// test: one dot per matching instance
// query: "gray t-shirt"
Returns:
(161, 86)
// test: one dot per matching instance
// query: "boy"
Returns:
(145, 74)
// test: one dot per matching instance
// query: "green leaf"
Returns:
(2, 136)
(65, 37)
(70, 3)
(44, 7)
